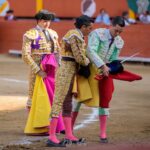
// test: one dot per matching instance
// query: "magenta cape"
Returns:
(49, 65)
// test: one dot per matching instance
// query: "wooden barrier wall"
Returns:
(136, 37)
(23, 7)
(66, 8)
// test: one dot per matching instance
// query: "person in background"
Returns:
(148, 16)
(145, 17)
(128, 21)
(103, 17)
(10, 15)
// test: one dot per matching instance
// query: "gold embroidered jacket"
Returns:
(73, 45)
(35, 45)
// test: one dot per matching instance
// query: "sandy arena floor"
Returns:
(128, 125)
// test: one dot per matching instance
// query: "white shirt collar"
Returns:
(40, 28)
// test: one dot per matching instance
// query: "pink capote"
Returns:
(49, 65)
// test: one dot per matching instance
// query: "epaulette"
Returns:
(73, 32)
(101, 33)
(31, 34)
(53, 33)
(119, 42)
(103, 36)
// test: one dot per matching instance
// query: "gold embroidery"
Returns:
(33, 56)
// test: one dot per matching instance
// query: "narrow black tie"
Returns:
(48, 39)
(112, 40)
(47, 35)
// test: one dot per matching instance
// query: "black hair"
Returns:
(9, 11)
(118, 20)
(44, 15)
(124, 13)
(83, 20)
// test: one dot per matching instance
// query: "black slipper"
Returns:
(66, 142)
(103, 140)
(80, 141)
(50, 143)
